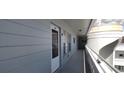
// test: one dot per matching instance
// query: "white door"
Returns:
(55, 48)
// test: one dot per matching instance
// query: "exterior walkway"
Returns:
(75, 64)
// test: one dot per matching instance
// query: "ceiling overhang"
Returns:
(79, 26)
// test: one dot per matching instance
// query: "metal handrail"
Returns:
(114, 69)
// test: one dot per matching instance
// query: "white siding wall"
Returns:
(25, 46)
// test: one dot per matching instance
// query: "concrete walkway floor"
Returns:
(75, 64)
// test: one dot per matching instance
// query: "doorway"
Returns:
(55, 62)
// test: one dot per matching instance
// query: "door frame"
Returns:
(56, 28)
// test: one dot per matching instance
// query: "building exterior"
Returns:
(46, 45)
(26, 45)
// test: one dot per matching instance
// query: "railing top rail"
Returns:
(114, 69)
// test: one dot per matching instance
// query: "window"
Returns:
(54, 43)
(69, 42)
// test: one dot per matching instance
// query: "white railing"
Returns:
(100, 62)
